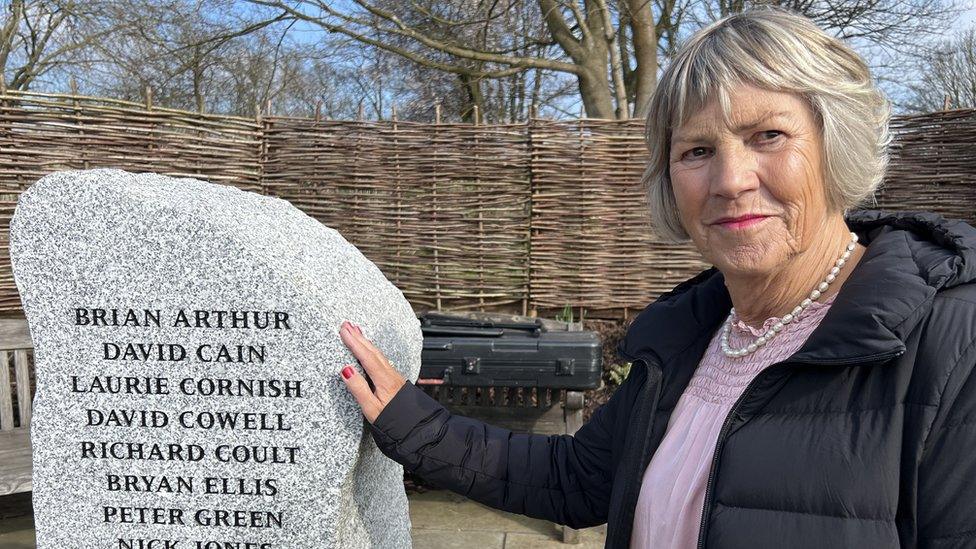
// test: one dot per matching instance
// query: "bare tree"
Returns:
(890, 34)
(948, 76)
(587, 33)
(192, 55)
(502, 99)
(898, 25)
(501, 58)
(37, 37)
(845, 18)
(611, 47)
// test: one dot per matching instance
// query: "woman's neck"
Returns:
(758, 297)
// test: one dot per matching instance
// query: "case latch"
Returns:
(472, 364)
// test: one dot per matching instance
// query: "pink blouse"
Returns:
(669, 509)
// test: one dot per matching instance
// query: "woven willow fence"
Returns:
(538, 215)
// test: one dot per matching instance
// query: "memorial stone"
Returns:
(187, 361)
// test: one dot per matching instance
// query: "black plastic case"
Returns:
(468, 352)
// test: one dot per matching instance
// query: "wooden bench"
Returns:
(16, 361)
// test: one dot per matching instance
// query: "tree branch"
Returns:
(401, 29)
(560, 30)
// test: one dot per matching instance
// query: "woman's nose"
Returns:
(733, 173)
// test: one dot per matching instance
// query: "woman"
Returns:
(813, 389)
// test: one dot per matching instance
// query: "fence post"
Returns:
(481, 224)
(3, 103)
(578, 271)
(152, 123)
(398, 203)
(81, 132)
(262, 147)
(529, 131)
(437, 264)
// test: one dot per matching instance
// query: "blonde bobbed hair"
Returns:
(774, 49)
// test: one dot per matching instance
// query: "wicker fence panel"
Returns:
(537, 215)
(591, 240)
(933, 165)
(443, 210)
(43, 133)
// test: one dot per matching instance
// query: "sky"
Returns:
(967, 19)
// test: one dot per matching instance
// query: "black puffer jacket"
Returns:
(865, 437)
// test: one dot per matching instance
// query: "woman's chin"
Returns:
(744, 261)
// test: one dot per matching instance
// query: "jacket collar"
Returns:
(909, 257)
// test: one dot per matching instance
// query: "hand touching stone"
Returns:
(382, 382)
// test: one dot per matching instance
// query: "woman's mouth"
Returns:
(741, 222)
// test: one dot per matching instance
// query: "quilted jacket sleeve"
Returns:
(562, 478)
(947, 472)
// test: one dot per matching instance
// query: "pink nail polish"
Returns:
(358, 329)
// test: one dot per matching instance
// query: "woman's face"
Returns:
(751, 196)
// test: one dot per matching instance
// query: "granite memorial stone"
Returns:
(187, 355)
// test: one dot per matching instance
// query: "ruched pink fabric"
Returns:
(669, 509)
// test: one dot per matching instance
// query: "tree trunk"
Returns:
(594, 88)
(645, 50)
(474, 96)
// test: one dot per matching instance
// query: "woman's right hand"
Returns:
(386, 381)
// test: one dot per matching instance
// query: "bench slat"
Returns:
(21, 369)
(14, 334)
(6, 398)
(15, 455)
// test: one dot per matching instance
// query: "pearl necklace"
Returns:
(789, 317)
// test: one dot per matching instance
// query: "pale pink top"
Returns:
(669, 509)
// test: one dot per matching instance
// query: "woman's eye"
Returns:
(690, 154)
(766, 135)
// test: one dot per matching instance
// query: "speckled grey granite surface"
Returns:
(111, 240)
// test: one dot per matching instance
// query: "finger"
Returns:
(380, 357)
(393, 379)
(374, 362)
(354, 342)
(384, 380)
(369, 381)
(360, 391)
